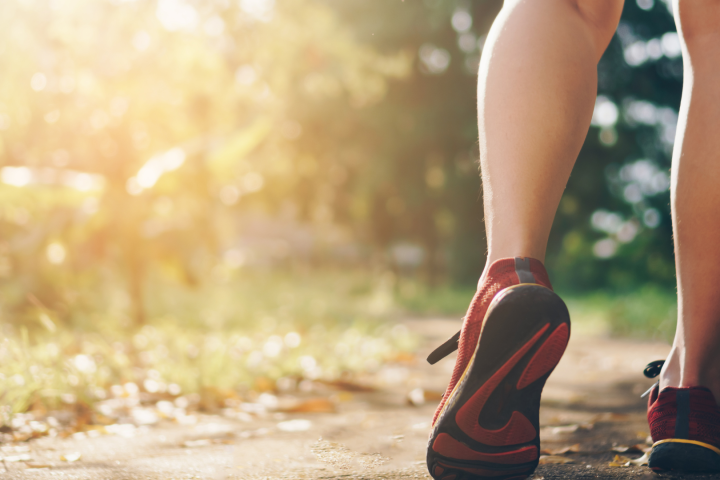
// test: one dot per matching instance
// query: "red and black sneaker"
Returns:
(685, 428)
(513, 336)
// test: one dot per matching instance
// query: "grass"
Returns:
(647, 312)
(241, 333)
(247, 332)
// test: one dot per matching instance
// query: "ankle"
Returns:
(516, 269)
(684, 370)
(502, 253)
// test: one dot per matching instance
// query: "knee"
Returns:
(602, 16)
(698, 21)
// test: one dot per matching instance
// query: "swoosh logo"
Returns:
(518, 429)
(448, 447)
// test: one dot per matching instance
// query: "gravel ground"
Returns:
(592, 401)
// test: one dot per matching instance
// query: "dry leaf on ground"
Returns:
(23, 457)
(559, 451)
(572, 428)
(348, 386)
(403, 357)
(554, 459)
(416, 397)
(642, 460)
(622, 461)
(312, 405)
(637, 448)
(71, 457)
(295, 425)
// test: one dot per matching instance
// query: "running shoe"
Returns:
(513, 336)
(685, 427)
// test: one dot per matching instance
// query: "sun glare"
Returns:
(154, 168)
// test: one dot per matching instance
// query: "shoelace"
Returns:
(652, 370)
(448, 347)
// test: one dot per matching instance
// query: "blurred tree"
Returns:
(131, 128)
(617, 233)
(613, 228)
(134, 134)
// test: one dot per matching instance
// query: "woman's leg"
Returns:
(695, 200)
(537, 89)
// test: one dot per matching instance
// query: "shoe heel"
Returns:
(489, 427)
(683, 456)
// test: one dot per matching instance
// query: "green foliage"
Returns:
(239, 333)
(623, 169)
(648, 313)
(144, 143)
(136, 128)
(447, 300)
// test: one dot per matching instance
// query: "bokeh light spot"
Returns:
(176, 15)
(141, 41)
(55, 252)
(245, 75)
(436, 60)
(461, 21)
(608, 136)
(38, 82)
(605, 113)
(467, 42)
(671, 45)
(16, 176)
(605, 248)
(229, 195)
(259, 9)
(651, 218)
(252, 182)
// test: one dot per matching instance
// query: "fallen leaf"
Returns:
(71, 457)
(403, 357)
(14, 449)
(559, 451)
(637, 448)
(572, 428)
(416, 397)
(94, 427)
(23, 457)
(554, 459)
(296, 425)
(622, 461)
(342, 397)
(263, 384)
(313, 405)
(348, 386)
(642, 460)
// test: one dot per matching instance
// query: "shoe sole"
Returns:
(489, 426)
(687, 456)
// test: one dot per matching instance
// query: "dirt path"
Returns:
(592, 400)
